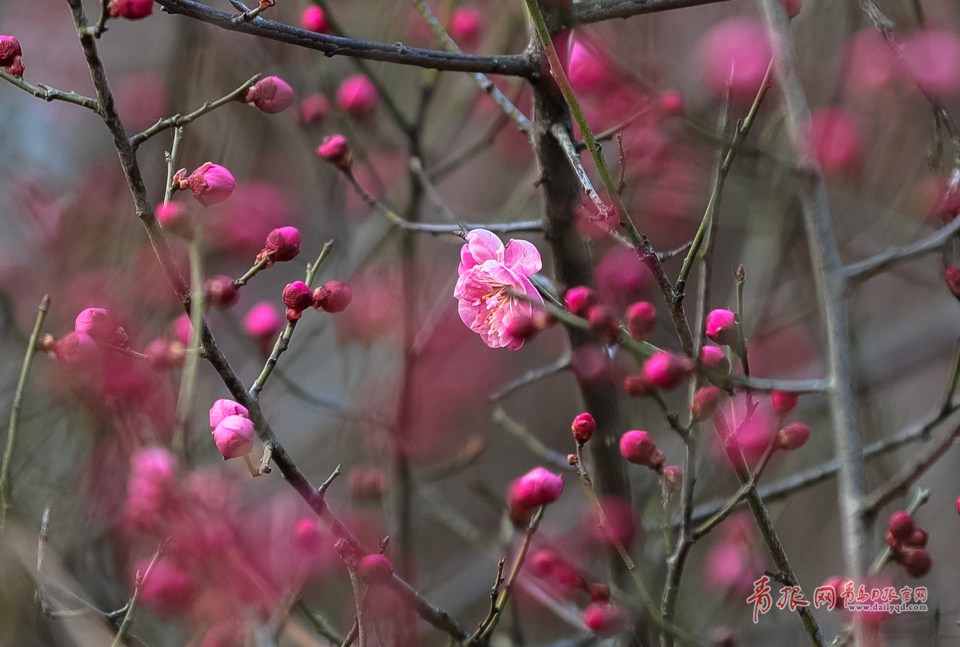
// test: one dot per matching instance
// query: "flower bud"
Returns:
(605, 618)
(901, 525)
(282, 245)
(583, 427)
(174, 218)
(641, 319)
(579, 300)
(224, 408)
(951, 276)
(263, 321)
(465, 26)
(234, 436)
(522, 327)
(714, 358)
(535, 488)
(705, 402)
(101, 326)
(221, 292)
(163, 354)
(270, 95)
(635, 386)
(168, 590)
(783, 402)
(599, 592)
(297, 296)
(16, 68)
(638, 448)
(336, 150)
(181, 328)
(358, 97)
(916, 561)
(671, 103)
(666, 370)
(375, 569)
(722, 327)
(306, 535)
(332, 296)
(313, 109)
(10, 50)
(918, 539)
(210, 183)
(313, 19)
(131, 9)
(603, 323)
(793, 436)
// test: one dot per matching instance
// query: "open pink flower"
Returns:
(489, 273)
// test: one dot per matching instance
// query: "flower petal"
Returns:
(522, 257)
(482, 245)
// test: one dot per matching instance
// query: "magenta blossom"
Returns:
(489, 273)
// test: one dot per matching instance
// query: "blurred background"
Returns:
(397, 381)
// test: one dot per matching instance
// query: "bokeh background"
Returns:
(68, 229)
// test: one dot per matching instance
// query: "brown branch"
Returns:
(509, 64)
(601, 10)
(869, 267)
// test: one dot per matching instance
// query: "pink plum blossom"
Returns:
(263, 321)
(836, 141)
(313, 19)
(932, 59)
(735, 54)
(234, 436)
(358, 97)
(270, 95)
(210, 183)
(224, 408)
(489, 271)
(465, 25)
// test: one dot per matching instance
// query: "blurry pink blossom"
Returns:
(10, 50)
(465, 26)
(174, 218)
(735, 55)
(488, 271)
(313, 19)
(166, 588)
(131, 9)
(589, 71)
(313, 109)
(358, 97)
(263, 321)
(152, 488)
(836, 141)
(869, 63)
(932, 59)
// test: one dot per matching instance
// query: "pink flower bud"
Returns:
(587, 71)
(671, 103)
(599, 592)
(901, 525)
(358, 97)
(174, 218)
(297, 296)
(77, 350)
(168, 591)
(313, 109)
(376, 569)
(263, 321)
(792, 7)
(635, 386)
(522, 327)
(306, 535)
(705, 402)
(151, 489)
(836, 141)
(224, 408)
(579, 300)
(210, 184)
(9, 50)
(916, 561)
(181, 328)
(793, 436)
(783, 402)
(270, 95)
(583, 427)
(336, 150)
(282, 245)
(638, 448)
(722, 327)
(234, 436)
(951, 276)
(605, 618)
(332, 296)
(666, 370)
(163, 354)
(641, 319)
(603, 323)
(535, 488)
(918, 539)
(221, 292)
(101, 326)
(131, 9)
(542, 562)
(465, 26)
(313, 19)
(714, 358)
(672, 478)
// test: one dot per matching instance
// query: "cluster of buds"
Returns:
(526, 327)
(536, 488)
(583, 302)
(232, 428)
(332, 296)
(10, 53)
(662, 370)
(908, 541)
(210, 183)
(270, 95)
(638, 448)
(795, 434)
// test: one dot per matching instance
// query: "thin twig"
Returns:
(6, 476)
(870, 267)
(532, 443)
(132, 605)
(531, 377)
(47, 93)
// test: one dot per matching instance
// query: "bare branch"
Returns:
(867, 268)
(47, 93)
(600, 10)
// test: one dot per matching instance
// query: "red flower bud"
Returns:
(605, 618)
(283, 244)
(375, 569)
(918, 539)
(901, 525)
(635, 386)
(583, 427)
(358, 97)
(579, 300)
(234, 436)
(9, 50)
(783, 402)
(131, 9)
(313, 19)
(793, 436)
(221, 292)
(722, 327)
(163, 354)
(705, 402)
(336, 150)
(641, 319)
(603, 323)
(599, 593)
(210, 183)
(332, 296)
(535, 488)
(665, 370)
(638, 448)
(916, 561)
(270, 95)
(297, 296)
